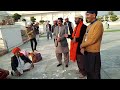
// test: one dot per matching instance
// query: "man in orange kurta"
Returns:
(77, 38)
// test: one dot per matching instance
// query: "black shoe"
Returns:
(59, 65)
(12, 73)
(66, 65)
(35, 50)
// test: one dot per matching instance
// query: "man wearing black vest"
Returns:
(70, 29)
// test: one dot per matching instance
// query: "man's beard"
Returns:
(87, 21)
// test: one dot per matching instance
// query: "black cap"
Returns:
(92, 12)
(60, 19)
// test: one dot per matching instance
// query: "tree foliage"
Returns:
(16, 16)
(33, 19)
(114, 18)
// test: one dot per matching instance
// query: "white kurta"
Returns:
(22, 66)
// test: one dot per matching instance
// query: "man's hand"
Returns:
(66, 35)
(58, 39)
(32, 66)
(74, 39)
(18, 73)
(82, 50)
(81, 47)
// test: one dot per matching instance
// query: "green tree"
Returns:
(33, 19)
(114, 18)
(100, 18)
(16, 17)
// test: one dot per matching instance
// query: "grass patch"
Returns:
(112, 31)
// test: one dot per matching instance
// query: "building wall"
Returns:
(12, 35)
(55, 15)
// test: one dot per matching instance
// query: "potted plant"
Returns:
(33, 19)
(24, 20)
(16, 17)
(41, 21)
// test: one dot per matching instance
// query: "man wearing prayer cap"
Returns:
(54, 25)
(70, 27)
(19, 62)
(78, 16)
(76, 40)
(91, 44)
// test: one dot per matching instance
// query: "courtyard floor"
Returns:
(46, 69)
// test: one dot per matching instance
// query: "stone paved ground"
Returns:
(46, 69)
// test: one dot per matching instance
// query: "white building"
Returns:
(48, 15)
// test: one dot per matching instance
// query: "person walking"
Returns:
(49, 30)
(32, 36)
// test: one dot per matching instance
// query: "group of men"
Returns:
(84, 45)
(80, 43)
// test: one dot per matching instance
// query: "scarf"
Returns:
(74, 45)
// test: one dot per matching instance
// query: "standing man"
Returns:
(61, 43)
(54, 25)
(36, 28)
(91, 45)
(77, 38)
(48, 30)
(32, 37)
(70, 27)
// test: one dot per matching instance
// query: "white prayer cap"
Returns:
(29, 23)
(79, 16)
(48, 21)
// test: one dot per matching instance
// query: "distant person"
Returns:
(54, 25)
(90, 46)
(49, 30)
(70, 27)
(108, 26)
(20, 63)
(32, 36)
(61, 43)
(36, 28)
